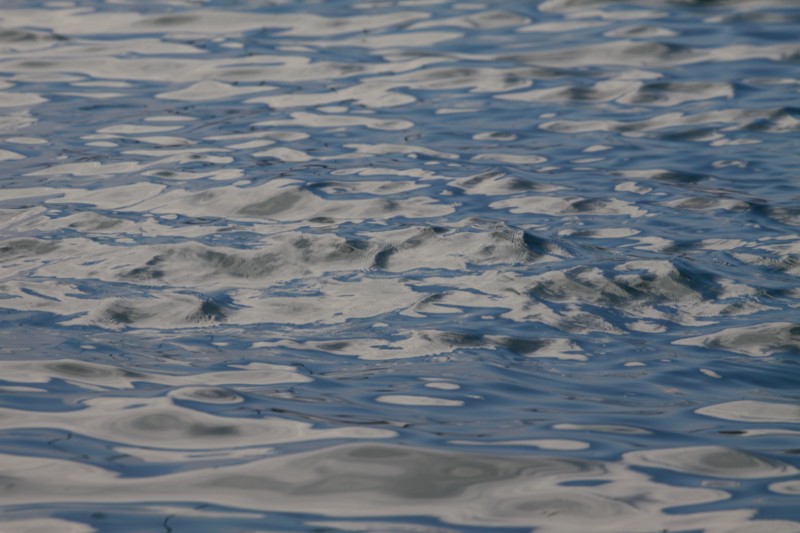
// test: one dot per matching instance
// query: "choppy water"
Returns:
(400, 266)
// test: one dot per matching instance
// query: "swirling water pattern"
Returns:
(400, 266)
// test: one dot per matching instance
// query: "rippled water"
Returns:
(400, 266)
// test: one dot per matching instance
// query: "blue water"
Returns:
(400, 266)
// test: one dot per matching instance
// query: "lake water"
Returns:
(420, 266)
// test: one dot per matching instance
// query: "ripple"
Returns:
(753, 411)
(394, 526)
(603, 428)
(544, 444)
(760, 340)
(711, 461)
(160, 423)
(118, 377)
(211, 395)
(424, 401)
(556, 206)
(36, 525)
(210, 90)
(8, 155)
(786, 487)
(460, 489)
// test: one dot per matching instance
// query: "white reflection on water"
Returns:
(754, 411)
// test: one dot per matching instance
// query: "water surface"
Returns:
(400, 266)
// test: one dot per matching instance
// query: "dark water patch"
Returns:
(25, 248)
